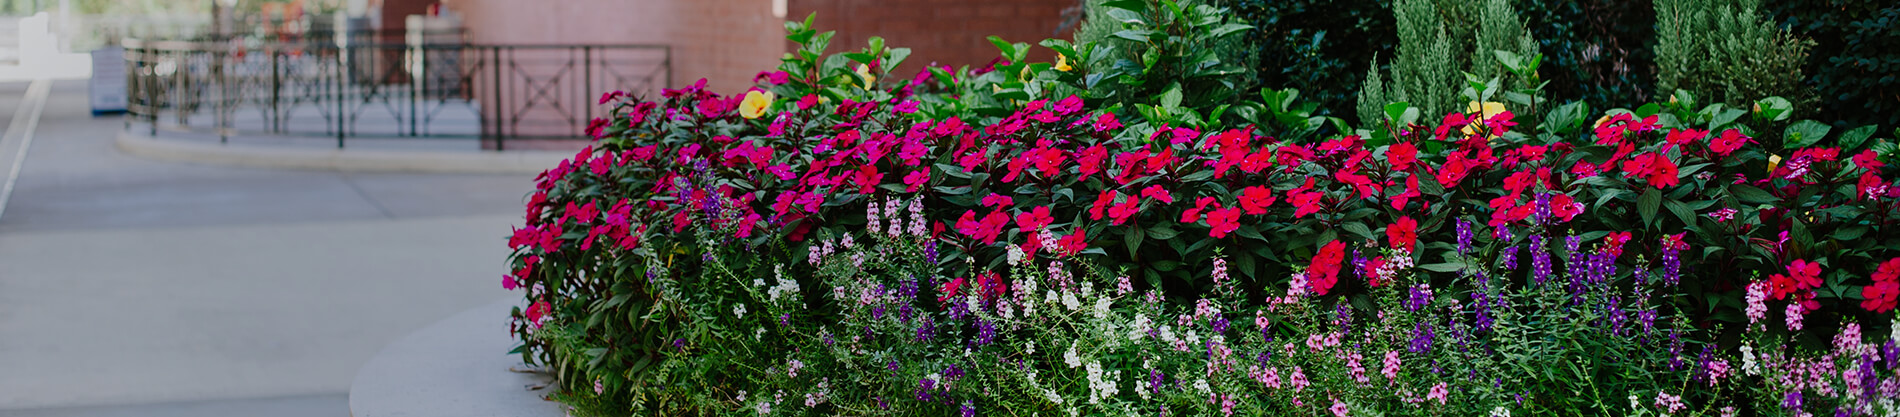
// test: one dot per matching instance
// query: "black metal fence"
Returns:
(378, 90)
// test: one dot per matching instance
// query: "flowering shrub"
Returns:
(979, 241)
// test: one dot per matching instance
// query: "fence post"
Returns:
(222, 119)
(342, 91)
(276, 120)
(500, 134)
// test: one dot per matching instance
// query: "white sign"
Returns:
(108, 80)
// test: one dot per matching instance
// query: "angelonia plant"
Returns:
(841, 240)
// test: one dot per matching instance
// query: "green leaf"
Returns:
(1775, 108)
(1750, 194)
(1682, 211)
(1003, 46)
(1852, 139)
(1133, 240)
(1136, 35)
(1162, 232)
(1445, 267)
(1804, 133)
(1359, 229)
(1171, 99)
(1647, 204)
(1393, 111)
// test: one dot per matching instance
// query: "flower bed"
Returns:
(991, 241)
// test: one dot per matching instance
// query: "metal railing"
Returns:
(494, 93)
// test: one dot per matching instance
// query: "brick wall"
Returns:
(952, 32)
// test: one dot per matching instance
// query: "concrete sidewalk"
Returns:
(135, 287)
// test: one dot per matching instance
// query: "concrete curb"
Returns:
(458, 367)
(346, 160)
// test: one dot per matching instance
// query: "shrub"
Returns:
(1597, 51)
(1853, 59)
(1724, 50)
(829, 244)
(1426, 73)
(1317, 46)
(1183, 62)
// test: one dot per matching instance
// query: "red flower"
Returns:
(1128, 208)
(1158, 193)
(1107, 122)
(1655, 169)
(1803, 276)
(1101, 202)
(1728, 142)
(1870, 186)
(1456, 166)
(1613, 244)
(1323, 272)
(1565, 207)
(1403, 234)
(1401, 155)
(916, 180)
(949, 289)
(1090, 160)
(1256, 199)
(1068, 105)
(985, 230)
(1880, 297)
(1034, 219)
(998, 200)
(1072, 244)
(1223, 221)
(1583, 169)
(1868, 160)
(538, 313)
(1412, 191)
(1194, 214)
(1678, 137)
(1304, 202)
(1371, 271)
(973, 159)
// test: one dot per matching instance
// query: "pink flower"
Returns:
(1107, 122)
(1401, 155)
(1158, 193)
(1439, 393)
(1034, 219)
(1338, 408)
(1868, 160)
(1069, 105)
(916, 180)
(539, 313)
(998, 200)
(1391, 370)
(1223, 221)
(1256, 199)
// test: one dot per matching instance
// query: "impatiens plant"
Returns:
(843, 240)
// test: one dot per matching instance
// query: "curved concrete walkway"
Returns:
(135, 287)
(457, 367)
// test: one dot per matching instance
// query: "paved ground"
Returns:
(132, 287)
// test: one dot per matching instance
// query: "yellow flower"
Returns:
(1062, 63)
(1491, 108)
(864, 72)
(1773, 161)
(1602, 120)
(755, 104)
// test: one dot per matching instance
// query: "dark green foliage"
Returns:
(1855, 57)
(1596, 51)
(1320, 47)
(1182, 62)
